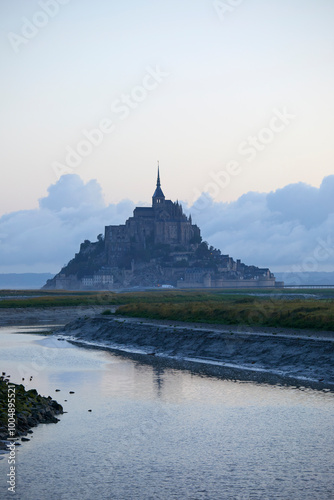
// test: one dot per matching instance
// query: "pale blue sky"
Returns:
(226, 76)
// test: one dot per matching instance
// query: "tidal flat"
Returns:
(266, 355)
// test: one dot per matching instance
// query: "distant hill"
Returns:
(15, 281)
(316, 278)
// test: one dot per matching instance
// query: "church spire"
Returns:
(158, 179)
(158, 196)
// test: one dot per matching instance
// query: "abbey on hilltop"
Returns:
(157, 246)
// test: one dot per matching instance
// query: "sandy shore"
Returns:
(293, 357)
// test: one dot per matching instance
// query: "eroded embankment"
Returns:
(265, 356)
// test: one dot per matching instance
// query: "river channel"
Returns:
(159, 433)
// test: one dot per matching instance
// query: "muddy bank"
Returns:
(46, 315)
(291, 357)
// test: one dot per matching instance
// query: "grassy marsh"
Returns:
(295, 313)
(306, 308)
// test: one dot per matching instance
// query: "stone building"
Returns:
(164, 223)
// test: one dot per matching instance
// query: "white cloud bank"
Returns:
(45, 239)
(291, 229)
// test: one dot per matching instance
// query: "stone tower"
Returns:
(164, 223)
(158, 198)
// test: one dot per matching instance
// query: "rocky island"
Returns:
(157, 246)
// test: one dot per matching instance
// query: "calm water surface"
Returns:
(156, 433)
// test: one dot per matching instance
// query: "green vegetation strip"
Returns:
(58, 301)
(33, 293)
(272, 308)
(110, 298)
(313, 314)
(63, 298)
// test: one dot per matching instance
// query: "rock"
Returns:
(56, 406)
(32, 422)
(31, 409)
(32, 392)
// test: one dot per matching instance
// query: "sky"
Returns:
(234, 98)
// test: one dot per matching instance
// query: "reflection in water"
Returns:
(158, 380)
(157, 433)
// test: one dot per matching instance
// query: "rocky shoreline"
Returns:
(30, 409)
(266, 355)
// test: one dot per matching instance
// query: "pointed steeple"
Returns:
(158, 196)
(158, 179)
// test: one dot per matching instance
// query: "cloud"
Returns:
(70, 192)
(43, 240)
(306, 204)
(290, 229)
(284, 229)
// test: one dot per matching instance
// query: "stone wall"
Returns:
(266, 283)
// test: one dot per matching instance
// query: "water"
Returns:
(157, 433)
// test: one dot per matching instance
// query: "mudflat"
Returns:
(45, 315)
(273, 355)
